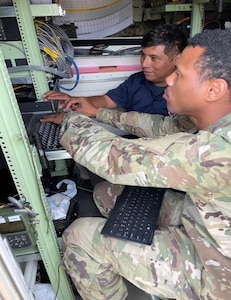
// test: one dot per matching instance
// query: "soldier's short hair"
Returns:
(215, 62)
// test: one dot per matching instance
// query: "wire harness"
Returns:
(56, 49)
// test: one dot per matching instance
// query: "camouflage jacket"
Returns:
(170, 155)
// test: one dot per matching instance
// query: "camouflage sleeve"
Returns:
(143, 124)
(169, 161)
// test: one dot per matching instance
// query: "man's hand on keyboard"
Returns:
(54, 118)
(66, 101)
(81, 104)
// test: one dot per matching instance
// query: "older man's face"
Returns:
(156, 64)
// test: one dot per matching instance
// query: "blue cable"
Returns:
(77, 75)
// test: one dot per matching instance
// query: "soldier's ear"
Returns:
(216, 89)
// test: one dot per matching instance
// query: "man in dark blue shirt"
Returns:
(138, 94)
(142, 91)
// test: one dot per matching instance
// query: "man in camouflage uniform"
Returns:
(106, 193)
(192, 261)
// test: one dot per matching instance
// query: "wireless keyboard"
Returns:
(49, 136)
(135, 214)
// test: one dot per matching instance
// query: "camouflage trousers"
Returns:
(97, 265)
(105, 195)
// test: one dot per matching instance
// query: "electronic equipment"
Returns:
(9, 29)
(49, 135)
(45, 136)
(72, 214)
(19, 231)
(135, 214)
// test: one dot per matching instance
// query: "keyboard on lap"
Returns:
(135, 214)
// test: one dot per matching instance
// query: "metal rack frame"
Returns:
(23, 161)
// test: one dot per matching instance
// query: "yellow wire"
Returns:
(19, 87)
(53, 54)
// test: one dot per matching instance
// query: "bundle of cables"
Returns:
(55, 47)
(57, 52)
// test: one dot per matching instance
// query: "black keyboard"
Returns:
(49, 136)
(135, 214)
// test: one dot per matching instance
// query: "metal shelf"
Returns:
(173, 7)
(44, 10)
